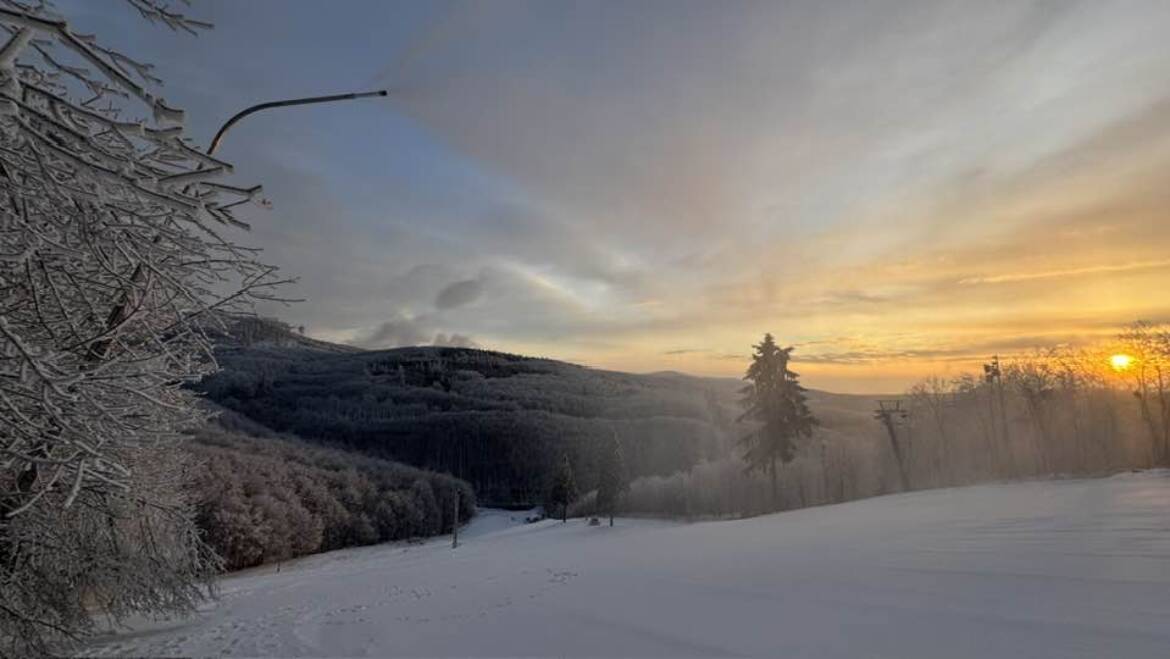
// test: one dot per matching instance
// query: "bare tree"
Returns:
(968, 391)
(1034, 380)
(114, 263)
(1093, 413)
(1149, 346)
(934, 397)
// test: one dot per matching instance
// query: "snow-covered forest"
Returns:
(494, 419)
(264, 499)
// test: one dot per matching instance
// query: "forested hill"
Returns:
(231, 331)
(497, 420)
(494, 419)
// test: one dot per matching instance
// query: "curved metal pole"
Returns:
(280, 104)
(97, 350)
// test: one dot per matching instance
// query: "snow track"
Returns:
(1042, 569)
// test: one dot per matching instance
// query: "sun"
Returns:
(1121, 362)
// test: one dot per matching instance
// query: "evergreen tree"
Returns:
(564, 488)
(611, 478)
(775, 400)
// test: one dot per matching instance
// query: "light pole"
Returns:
(97, 350)
(117, 314)
(285, 103)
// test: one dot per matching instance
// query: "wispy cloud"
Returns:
(644, 186)
(1069, 272)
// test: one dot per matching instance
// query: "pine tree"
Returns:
(775, 400)
(611, 477)
(564, 488)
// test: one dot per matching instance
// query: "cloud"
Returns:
(1069, 272)
(396, 333)
(404, 331)
(851, 352)
(708, 354)
(605, 181)
(850, 297)
(458, 294)
(454, 341)
(876, 356)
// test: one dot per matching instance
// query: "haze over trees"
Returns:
(1052, 413)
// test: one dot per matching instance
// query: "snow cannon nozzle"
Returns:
(379, 92)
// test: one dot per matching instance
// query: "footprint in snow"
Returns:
(561, 577)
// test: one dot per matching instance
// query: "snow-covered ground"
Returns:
(1044, 569)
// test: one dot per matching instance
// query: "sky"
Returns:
(897, 189)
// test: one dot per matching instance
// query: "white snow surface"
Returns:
(1072, 568)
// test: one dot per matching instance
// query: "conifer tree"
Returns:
(564, 488)
(774, 400)
(612, 480)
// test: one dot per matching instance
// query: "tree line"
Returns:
(1051, 413)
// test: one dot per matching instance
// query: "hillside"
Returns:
(261, 498)
(494, 419)
(238, 331)
(1073, 568)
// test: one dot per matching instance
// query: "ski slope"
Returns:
(1077, 568)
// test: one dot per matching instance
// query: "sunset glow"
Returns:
(1121, 362)
(896, 189)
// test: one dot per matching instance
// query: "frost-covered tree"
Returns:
(775, 401)
(115, 261)
(564, 488)
(611, 476)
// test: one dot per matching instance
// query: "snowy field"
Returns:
(1055, 569)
